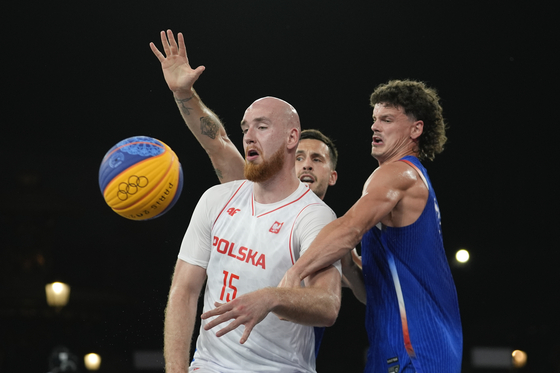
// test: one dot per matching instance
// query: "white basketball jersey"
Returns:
(252, 247)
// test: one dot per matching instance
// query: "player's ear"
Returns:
(417, 129)
(293, 138)
(332, 178)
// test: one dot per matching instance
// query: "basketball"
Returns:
(140, 178)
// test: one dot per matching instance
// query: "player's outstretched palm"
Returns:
(175, 64)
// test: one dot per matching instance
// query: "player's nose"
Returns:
(248, 136)
(307, 165)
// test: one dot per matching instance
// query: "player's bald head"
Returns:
(276, 110)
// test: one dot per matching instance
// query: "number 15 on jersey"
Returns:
(229, 289)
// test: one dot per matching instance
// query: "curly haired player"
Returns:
(412, 313)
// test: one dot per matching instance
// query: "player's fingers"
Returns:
(182, 48)
(199, 71)
(356, 258)
(223, 314)
(217, 321)
(164, 43)
(246, 333)
(231, 326)
(219, 310)
(157, 53)
(172, 42)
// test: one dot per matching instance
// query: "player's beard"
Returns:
(259, 173)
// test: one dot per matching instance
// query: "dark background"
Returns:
(79, 76)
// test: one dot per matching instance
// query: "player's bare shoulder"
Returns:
(393, 176)
(400, 183)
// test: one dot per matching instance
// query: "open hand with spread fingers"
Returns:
(177, 71)
(248, 310)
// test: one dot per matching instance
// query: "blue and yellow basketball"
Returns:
(140, 178)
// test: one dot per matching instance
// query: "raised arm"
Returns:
(180, 315)
(316, 304)
(203, 123)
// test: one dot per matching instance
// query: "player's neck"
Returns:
(395, 157)
(277, 187)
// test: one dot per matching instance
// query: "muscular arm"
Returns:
(180, 315)
(210, 133)
(203, 123)
(317, 304)
(385, 188)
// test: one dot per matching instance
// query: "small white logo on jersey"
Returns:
(276, 227)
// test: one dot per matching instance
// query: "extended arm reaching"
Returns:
(203, 123)
(383, 190)
(317, 304)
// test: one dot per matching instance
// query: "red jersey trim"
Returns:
(417, 170)
(227, 203)
(287, 204)
(292, 231)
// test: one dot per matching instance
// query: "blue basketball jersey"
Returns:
(412, 313)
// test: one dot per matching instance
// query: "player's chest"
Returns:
(253, 238)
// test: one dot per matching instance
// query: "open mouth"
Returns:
(252, 154)
(377, 140)
(307, 179)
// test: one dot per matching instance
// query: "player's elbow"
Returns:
(330, 320)
(331, 312)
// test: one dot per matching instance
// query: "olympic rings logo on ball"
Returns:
(131, 188)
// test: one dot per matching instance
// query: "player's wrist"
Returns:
(183, 93)
(271, 298)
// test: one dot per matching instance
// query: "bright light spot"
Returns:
(462, 256)
(57, 294)
(519, 358)
(57, 287)
(92, 361)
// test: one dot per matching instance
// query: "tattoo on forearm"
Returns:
(208, 127)
(218, 173)
(181, 103)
